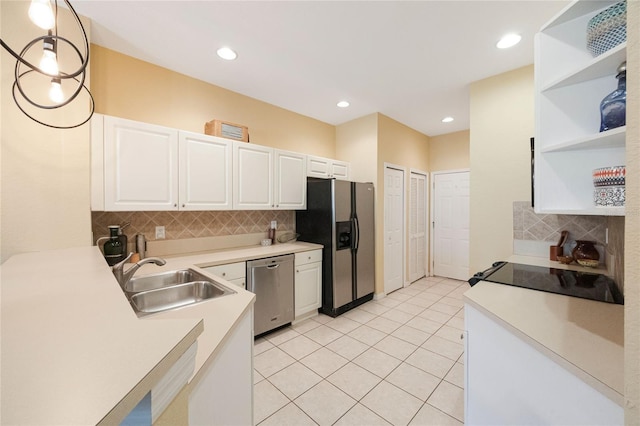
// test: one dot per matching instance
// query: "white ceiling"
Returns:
(410, 60)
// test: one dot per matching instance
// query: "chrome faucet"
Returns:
(124, 277)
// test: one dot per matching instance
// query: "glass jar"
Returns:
(613, 108)
(585, 253)
(113, 249)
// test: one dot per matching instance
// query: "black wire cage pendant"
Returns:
(28, 78)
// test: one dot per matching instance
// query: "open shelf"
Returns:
(614, 138)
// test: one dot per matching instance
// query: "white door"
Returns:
(451, 225)
(290, 180)
(205, 172)
(252, 177)
(418, 227)
(393, 229)
(141, 166)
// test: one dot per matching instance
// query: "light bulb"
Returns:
(41, 14)
(55, 91)
(49, 62)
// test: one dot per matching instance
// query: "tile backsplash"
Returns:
(192, 224)
(527, 225)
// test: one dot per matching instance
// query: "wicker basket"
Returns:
(607, 29)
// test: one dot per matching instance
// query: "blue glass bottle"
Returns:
(613, 108)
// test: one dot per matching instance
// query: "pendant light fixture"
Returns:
(65, 86)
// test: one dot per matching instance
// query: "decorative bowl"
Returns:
(590, 263)
(609, 176)
(609, 196)
(565, 259)
(607, 29)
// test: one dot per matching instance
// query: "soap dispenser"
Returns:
(113, 249)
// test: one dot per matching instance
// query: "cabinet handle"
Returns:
(297, 271)
(309, 257)
(224, 274)
(175, 205)
(183, 205)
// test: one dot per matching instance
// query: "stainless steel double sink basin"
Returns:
(172, 289)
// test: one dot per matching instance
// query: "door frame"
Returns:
(404, 224)
(427, 213)
(432, 210)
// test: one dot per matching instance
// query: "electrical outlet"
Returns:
(274, 224)
(160, 233)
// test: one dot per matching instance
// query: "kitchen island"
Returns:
(534, 357)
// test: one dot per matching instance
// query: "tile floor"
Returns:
(397, 360)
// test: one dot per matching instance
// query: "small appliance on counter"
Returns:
(585, 285)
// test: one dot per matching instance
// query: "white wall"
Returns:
(44, 177)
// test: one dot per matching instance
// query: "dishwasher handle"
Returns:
(274, 266)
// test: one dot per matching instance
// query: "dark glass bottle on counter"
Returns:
(113, 249)
(613, 108)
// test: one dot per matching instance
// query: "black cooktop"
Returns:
(585, 285)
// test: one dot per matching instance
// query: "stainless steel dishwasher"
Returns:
(271, 280)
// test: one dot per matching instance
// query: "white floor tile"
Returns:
(444, 308)
(422, 301)
(395, 347)
(266, 400)
(397, 315)
(359, 315)
(398, 295)
(374, 308)
(385, 325)
(444, 347)
(323, 335)
(392, 404)
(257, 377)
(295, 380)
(431, 416)
(347, 347)
(324, 362)
(299, 347)
(322, 318)
(360, 415)
(388, 302)
(260, 345)
(409, 308)
(450, 333)
(455, 376)
(306, 325)
(456, 322)
(411, 335)
(367, 335)
(377, 362)
(289, 415)
(413, 380)
(281, 336)
(452, 301)
(354, 380)
(430, 362)
(436, 316)
(449, 399)
(343, 324)
(424, 325)
(271, 361)
(325, 403)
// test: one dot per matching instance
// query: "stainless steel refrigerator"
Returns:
(340, 216)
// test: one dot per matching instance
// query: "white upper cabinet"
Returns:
(569, 85)
(321, 167)
(290, 189)
(140, 166)
(205, 172)
(252, 176)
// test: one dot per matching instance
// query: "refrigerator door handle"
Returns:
(356, 231)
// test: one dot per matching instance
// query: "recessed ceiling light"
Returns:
(343, 104)
(447, 119)
(227, 53)
(508, 40)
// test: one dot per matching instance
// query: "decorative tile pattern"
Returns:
(527, 225)
(192, 224)
(401, 364)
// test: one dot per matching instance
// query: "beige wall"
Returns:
(632, 224)
(502, 120)
(44, 175)
(401, 146)
(357, 143)
(449, 151)
(129, 88)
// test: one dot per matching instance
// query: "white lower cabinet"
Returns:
(510, 382)
(224, 395)
(235, 273)
(308, 283)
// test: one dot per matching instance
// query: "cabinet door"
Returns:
(308, 287)
(140, 166)
(318, 167)
(290, 180)
(340, 170)
(252, 177)
(205, 172)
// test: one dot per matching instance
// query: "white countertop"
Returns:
(584, 336)
(74, 351)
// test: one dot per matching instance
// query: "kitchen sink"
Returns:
(162, 280)
(176, 296)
